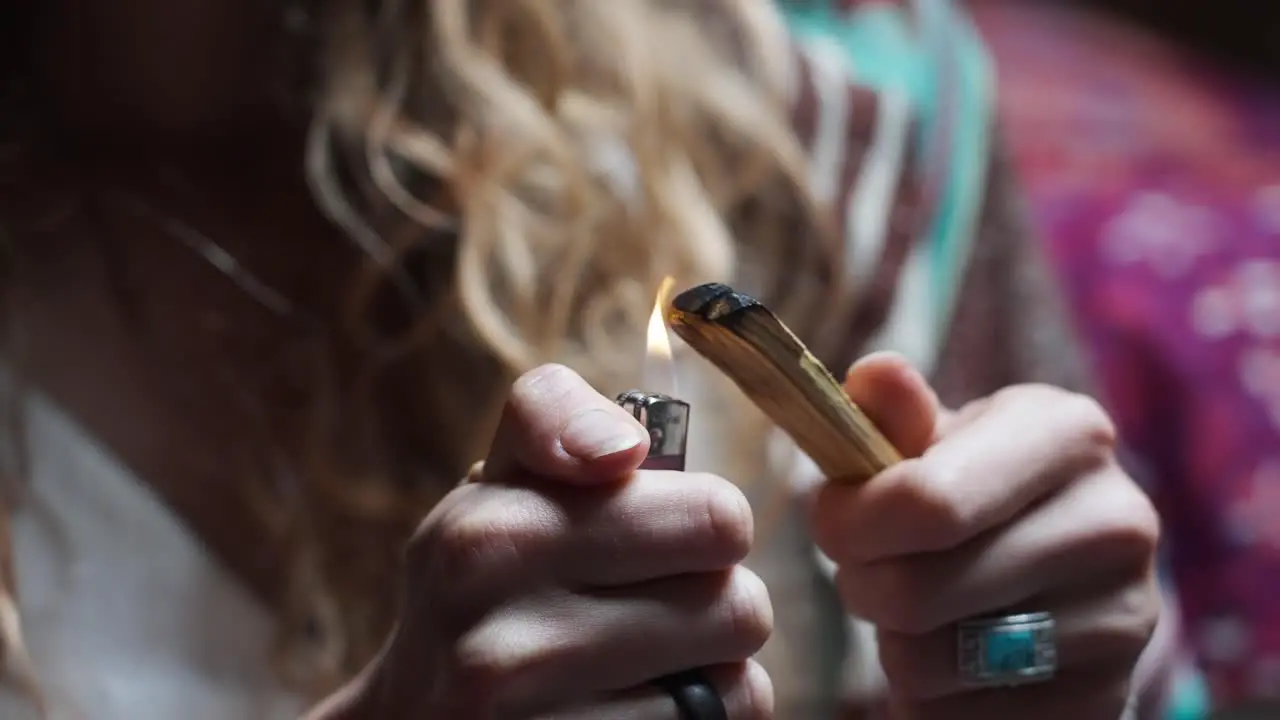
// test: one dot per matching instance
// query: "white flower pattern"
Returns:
(1265, 680)
(1224, 639)
(1266, 209)
(1247, 304)
(1162, 232)
(1251, 512)
(1259, 371)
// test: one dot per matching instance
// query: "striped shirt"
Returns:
(893, 100)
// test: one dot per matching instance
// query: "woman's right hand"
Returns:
(560, 580)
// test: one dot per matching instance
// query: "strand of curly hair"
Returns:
(555, 159)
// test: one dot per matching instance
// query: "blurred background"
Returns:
(1146, 137)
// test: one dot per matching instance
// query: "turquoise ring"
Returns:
(1007, 650)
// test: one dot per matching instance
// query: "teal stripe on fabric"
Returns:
(879, 45)
(955, 223)
(886, 51)
(1191, 700)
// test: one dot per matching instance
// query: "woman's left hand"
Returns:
(1013, 503)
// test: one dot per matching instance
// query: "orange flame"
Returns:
(660, 370)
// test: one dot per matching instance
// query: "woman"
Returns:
(230, 363)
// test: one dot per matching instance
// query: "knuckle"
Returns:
(486, 667)
(1129, 523)
(472, 541)
(748, 611)
(758, 695)
(726, 519)
(538, 389)
(1026, 395)
(1134, 621)
(1144, 519)
(460, 541)
(1090, 424)
(535, 383)
(1093, 427)
(928, 491)
(1032, 394)
(479, 673)
(431, 549)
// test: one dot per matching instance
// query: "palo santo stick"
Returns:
(769, 363)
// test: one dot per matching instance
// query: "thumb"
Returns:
(897, 398)
(556, 426)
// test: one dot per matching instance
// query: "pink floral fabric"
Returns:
(1155, 180)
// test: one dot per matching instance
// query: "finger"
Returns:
(488, 539)
(897, 398)
(1082, 696)
(1026, 445)
(1107, 630)
(745, 688)
(659, 524)
(550, 655)
(556, 426)
(1100, 530)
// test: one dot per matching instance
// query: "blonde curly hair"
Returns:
(521, 175)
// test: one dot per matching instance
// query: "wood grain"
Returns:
(751, 346)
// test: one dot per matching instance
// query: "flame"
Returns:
(659, 343)
(660, 370)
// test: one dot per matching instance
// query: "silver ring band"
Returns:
(1007, 650)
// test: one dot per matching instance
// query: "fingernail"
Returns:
(597, 433)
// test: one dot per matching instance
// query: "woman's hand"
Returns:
(560, 580)
(1015, 502)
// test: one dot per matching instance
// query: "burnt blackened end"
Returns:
(695, 299)
(712, 301)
